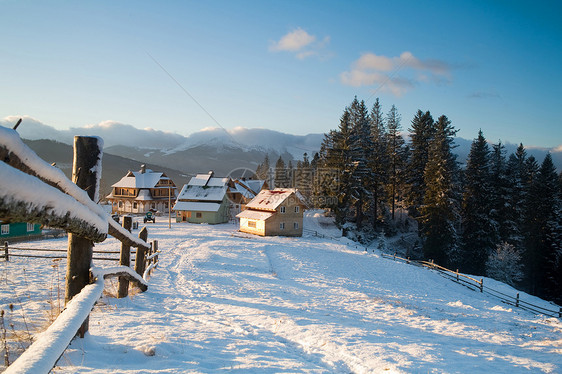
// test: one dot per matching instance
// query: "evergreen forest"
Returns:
(496, 215)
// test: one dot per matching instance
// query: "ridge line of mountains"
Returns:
(180, 157)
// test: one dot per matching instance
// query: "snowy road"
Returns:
(226, 302)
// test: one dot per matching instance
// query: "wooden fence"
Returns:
(34, 191)
(478, 285)
(467, 281)
(150, 261)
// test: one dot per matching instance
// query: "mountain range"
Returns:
(217, 149)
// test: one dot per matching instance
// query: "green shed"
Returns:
(18, 230)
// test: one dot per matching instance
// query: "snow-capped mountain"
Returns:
(218, 149)
(209, 149)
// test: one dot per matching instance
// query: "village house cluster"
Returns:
(207, 198)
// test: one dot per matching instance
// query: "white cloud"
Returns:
(371, 69)
(301, 43)
(294, 41)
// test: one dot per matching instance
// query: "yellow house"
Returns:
(274, 212)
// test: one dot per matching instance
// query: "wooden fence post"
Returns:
(141, 253)
(481, 284)
(155, 250)
(85, 174)
(517, 300)
(125, 259)
(457, 275)
(6, 255)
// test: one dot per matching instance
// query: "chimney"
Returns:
(143, 169)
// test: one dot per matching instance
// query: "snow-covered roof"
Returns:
(255, 214)
(138, 179)
(214, 190)
(247, 188)
(207, 180)
(144, 195)
(196, 206)
(271, 199)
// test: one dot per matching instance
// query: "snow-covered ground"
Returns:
(223, 301)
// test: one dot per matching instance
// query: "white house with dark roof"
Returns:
(141, 191)
(274, 212)
(203, 200)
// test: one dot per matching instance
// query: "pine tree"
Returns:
(263, 169)
(501, 191)
(440, 209)
(479, 236)
(421, 134)
(281, 175)
(337, 169)
(530, 223)
(546, 229)
(396, 155)
(361, 145)
(378, 161)
(514, 210)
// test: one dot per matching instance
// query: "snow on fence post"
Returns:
(86, 172)
(125, 260)
(141, 253)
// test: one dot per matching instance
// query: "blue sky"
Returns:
(290, 66)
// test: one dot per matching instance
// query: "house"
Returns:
(274, 212)
(242, 191)
(203, 200)
(18, 230)
(141, 191)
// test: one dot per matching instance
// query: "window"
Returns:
(153, 206)
(135, 205)
(198, 215)
(252, 224)
(5, 229)
(297, 209)
(282, 226)
(282, 209)
(120, 204)
(30, 227)
(295, 225)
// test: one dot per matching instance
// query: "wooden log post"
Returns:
(125, 260)
(155, 250)
(141, 253)
(517, 300)
(6, 254)
(85, 174)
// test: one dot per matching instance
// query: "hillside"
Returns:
(113, 167)
(224, 301)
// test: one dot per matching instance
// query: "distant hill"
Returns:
(214, 149)
(113, 167)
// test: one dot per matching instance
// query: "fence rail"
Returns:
(150, 261)
(478, 285)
